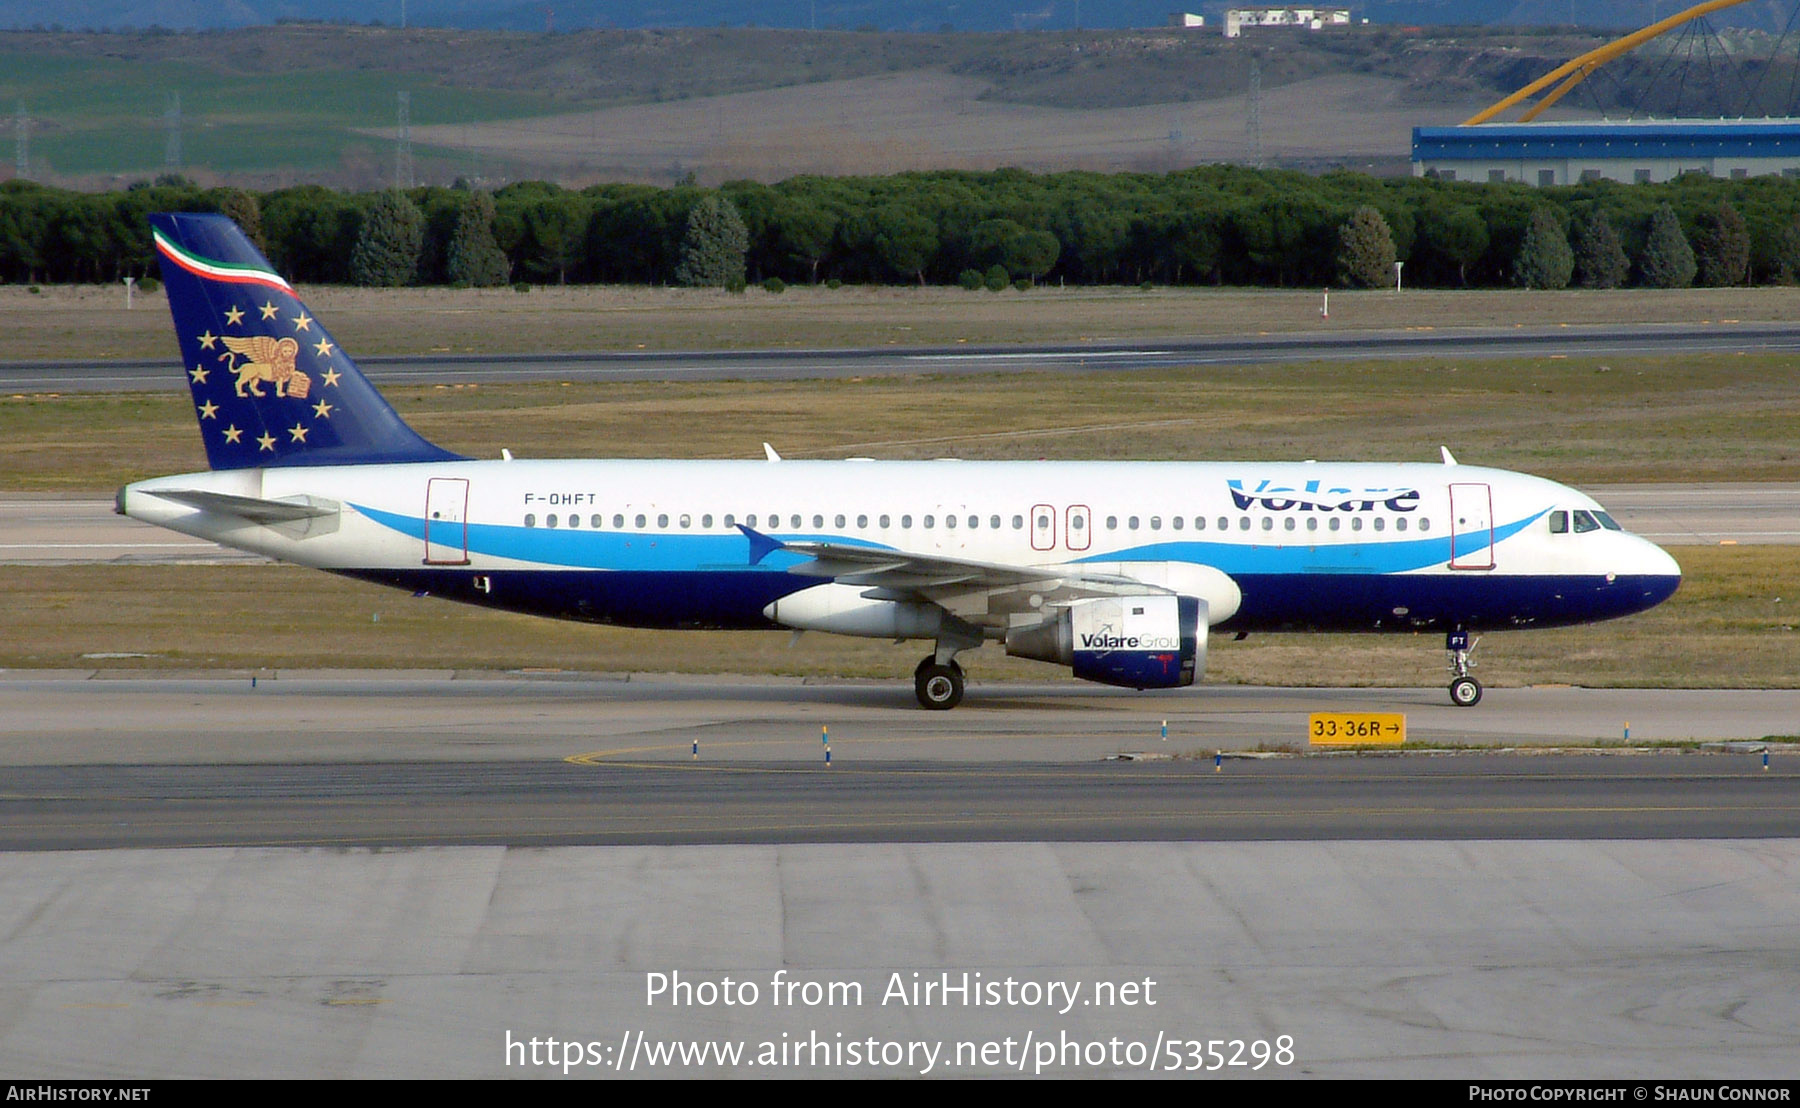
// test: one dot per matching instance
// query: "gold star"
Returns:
(331, 377)
(232, 434)
(267, 442)
(198, 373)
(297, 433)
(268, 309)
(322, 410)
(208, 410)
(322, 347)
(234, 315)
(302, 321)
(208, 340)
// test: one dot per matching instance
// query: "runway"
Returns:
(790, 365)
(333, 760)
(346, 875)
(50, 530)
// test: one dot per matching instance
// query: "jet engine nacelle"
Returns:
(1139, 642)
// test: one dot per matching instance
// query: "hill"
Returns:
(879, 15)
(268, 106)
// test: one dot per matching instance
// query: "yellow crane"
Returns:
(1572, 73)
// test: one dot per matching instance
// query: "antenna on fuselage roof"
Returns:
(769, 452)
(1449, 458)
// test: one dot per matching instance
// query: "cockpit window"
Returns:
(1585, 522)
(1559, 523)
(1607, 522)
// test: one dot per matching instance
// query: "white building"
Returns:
(1311, 19)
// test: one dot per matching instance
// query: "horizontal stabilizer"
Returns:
(252, 508)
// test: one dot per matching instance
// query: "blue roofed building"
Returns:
(1628, 151)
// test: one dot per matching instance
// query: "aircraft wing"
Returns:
(971, 590)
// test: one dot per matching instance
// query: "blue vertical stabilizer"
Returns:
(270, 386)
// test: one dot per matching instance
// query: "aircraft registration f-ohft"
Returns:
(1119, 571)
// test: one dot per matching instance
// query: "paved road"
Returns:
(49, 530)
(785, 365)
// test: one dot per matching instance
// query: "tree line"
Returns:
(1208, 225)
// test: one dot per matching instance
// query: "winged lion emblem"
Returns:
(265, 358)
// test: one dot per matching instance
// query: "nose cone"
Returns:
(1652, 571)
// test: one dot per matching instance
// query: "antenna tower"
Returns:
(403, 165)
(172, 132)
(22, 143)
(1253, 114)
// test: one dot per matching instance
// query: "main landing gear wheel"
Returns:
(1465, 692)
(938, 687)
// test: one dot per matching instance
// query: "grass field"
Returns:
(89, 322)
(1725, 628)
(1698, 418)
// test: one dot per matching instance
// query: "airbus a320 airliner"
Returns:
(1117, 570)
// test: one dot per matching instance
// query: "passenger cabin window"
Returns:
(530, 520)
(1018, 523)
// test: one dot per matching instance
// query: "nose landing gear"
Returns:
(1465, 691)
